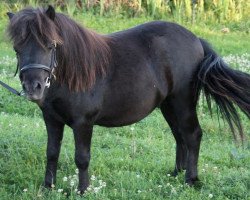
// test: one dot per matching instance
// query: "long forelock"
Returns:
(32, 23)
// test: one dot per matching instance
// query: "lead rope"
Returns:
(12, 90)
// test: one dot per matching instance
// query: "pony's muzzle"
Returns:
(31, 88)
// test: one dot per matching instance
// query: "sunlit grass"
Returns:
(129, 162)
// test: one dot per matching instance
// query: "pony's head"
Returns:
(83, 55)
(34, 36)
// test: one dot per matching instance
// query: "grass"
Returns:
(133, 161)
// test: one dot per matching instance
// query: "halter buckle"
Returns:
(53, 73)
(47, 82)
(22, 93)
(54, 43)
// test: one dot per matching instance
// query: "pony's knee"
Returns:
(193, 138)
(52, 155)
(82, 161)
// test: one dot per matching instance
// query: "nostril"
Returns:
(37, 85)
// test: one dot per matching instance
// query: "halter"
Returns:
(49, 69)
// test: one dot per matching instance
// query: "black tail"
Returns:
(228, 87)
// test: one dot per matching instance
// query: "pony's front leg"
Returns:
(55, 135)
(82, 136)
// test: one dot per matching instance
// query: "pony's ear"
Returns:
(50, 12)
(10, 15)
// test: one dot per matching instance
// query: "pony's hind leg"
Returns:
(180, 113)
(181, 148)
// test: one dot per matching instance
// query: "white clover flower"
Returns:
(139, 191)
(72, 183)
(104, 184)
(96, 189)
(89, 188)
(240, 62)
(132, 128)
(137, 176)
(77, 171)
(74, 176)
(65, 179)
(93, 178)
(173, 190)
(52, 186)
(168, 175)
(60, 190)
(25, 190)
(159, 186)
(6, 60)
(210, 196)
(168, 184)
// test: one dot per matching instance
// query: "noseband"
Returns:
(50, 69)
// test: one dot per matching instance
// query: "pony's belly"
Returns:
(124, 118)
(131, 96)
(128, 113)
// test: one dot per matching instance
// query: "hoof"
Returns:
(82, 190)
(48, 185)
(176, 172)
(193, 181)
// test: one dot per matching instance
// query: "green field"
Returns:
(132, 162)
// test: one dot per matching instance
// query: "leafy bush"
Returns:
(180, 10)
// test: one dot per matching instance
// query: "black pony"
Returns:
(118, 79)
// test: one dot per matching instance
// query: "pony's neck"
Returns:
(84, 55)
